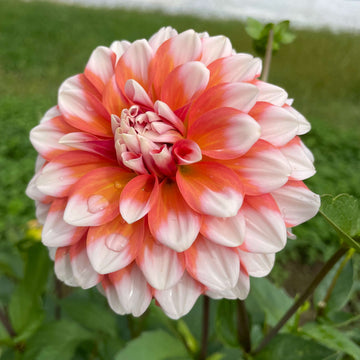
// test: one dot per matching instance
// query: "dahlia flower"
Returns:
(167, 170)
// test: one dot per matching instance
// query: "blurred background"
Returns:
(42, 43)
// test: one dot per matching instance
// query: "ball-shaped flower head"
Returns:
(168, 170)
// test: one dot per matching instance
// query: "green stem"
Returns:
(268, 55)
(303, 297)
(205, 328)
(243, 326)
(6, 322)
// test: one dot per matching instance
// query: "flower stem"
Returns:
(243, 326)
(6, 322)
(205, 328)
(307, 292)
(268, 55)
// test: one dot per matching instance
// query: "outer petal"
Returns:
(100, 67)
(270, 93)
(134, 64)
(215, 266)
(228, 231)
(113, 99)
(94, 200)
(82, 270)
(300, 159)
(184, 83)
(241, 96)
(115, 245)
(63, 269)
(119, 47)
(215, 47)
(127, 291)
(278, 126)
(138, 197)
(176, 51)
(57, 177)
(236, 68)
(262, 169)
(179, 300)
(171, 220)
(161, 36)
(257, 265)
(239, 291)
(56, 232)
(224, 133)
(210, 188)
(296, 202)
(45, 137)
(161, 266)
(265, 227)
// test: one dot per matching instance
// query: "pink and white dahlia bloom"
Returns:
(168, 170)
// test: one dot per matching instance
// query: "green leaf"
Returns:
(227, 354)
(342, 212)
(271, 299)
(292, 347)
(282, 33)
(91, 315)
(342, 289)
(25, 311)
(153, 345)
(225, 324)
(332, 338)
(254, 28)
(56, 340)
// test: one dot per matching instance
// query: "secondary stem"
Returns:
(307, 292)
(205, 328)
(6, 322)
(268, 55)
(243, 326)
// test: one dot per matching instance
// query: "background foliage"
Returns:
(41, 44)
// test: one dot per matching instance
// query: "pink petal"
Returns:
(296, 202)
(45, 137)
(270, 93)
(241, 96)
(257, 265)
(210, 188)
(184, 83)
(186, 152)
(166, 113)
(119, 47)
(84, 111)
(134, 64)
(217, 267)
(82, 270)
(235, 68)
(224, 133)
(164, 161)
(300, 159)
(215, 47)
(228, 231)
(265, 227)
(278, 126)
(179, 300)
(239, 291)
(161, 36)
(304, 125)
(113, 99)
(94, 199)
(171, 221)
(57, 177)
(137, 95)
(128, 292)
(115, 245)
(176, 51)
(262, 169)
(138, 197)
(100, 67)
(56, 232)
(63, 269)
(161, 266)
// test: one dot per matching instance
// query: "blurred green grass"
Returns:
(42, 43)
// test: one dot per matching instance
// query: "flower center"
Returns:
(144, 141)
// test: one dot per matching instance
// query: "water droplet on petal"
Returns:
(116, 242)
(118, 185)
(97, 203)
